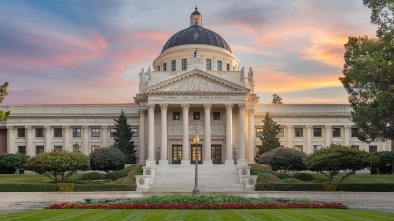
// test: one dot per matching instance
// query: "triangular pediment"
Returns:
(196, 81)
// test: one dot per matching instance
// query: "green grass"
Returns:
(37, 178)
(195, 215)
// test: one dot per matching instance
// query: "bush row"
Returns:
(348, 187)
(46, 187)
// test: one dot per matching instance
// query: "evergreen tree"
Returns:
(276, 99)
(3, 93)
(123, 139)
(269, 140)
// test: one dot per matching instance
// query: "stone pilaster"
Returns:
(308, 148)
(151, 141)
(67, 146)
(141, 149)
(11, 140)
(185, 137)
(85, 148)
(241, 146)
(347, 135)
(29, 141)
(163, 149)
(48, 139)
(104, 143)
(207, 134)
(251, 136)
(328, 135)
(290, 136)
(229, 133)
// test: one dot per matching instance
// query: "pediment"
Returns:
(196, 81)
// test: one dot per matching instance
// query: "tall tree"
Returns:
(276, 99)
(123, 139)
(3, 93)
(269, 139)
(369, 75)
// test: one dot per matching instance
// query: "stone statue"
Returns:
(142, 77)
(149, 73)
(250, 75)
(242, 73)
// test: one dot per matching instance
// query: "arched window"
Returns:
(196, 23)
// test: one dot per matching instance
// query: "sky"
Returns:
(91, 51)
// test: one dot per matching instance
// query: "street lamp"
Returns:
(196, 140)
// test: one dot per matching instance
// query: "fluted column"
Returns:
(85, 148)
(151, 140)
(241, 146)
(308, 139)
(229, 138)
(10, 140)
(141, 149)
(290, 136)
(251, 136)
(347, 135)
(104, 128)
(67, 146)
(207, 134)
(48, 138)
(328, 135)
(29, 141)
(163, 149)
(185, 137)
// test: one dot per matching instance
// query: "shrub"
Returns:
(366, 187)
(329, 186)
(288, 187)
(107, 159)
(58, 165)
(65, 187)
(265, 158)
(9, 163)
(17, 187)
(103, 187)
(291, 180)
(130, 177)
(285, 159)
(256, 169)
(282, 176)
(386, 160)
(303, 176)
(123, 173)
(267, 178)
(91, 176)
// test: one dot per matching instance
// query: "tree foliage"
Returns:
(123, 139)
(3, 94)
(107, 159)
(276, 99)
(330, 160)
(58, 165)
(386, 161)
(284, 159)
(269, 139)
(12, 162)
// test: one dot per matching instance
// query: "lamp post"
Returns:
(196, 140)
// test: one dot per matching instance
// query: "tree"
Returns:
(123, 139)
(369, 75)
(269, 139)
(386, 161)
(58, 165)
(276, 99)
(330, 160)
(107, 159)
(3, 93)
(12, 162)
(284, 159)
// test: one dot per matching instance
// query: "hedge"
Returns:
(103, 187)
(15, 187)
(366, 187)
(348, 187)
(288, 187)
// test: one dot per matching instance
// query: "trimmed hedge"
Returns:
(103, 187)
(267, 178)
(65, 187)
(366, 187)
(282, 176)
(288, 187)
(91, 176)
(348, 187)
(303, 176)
(15, 187)
(256, 169)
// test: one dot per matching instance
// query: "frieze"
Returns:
(196, 84)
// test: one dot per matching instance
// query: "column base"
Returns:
(163, 162)
(150, 163)
(207, 162)
(251, 161)
(241, 162)
(185, 162)
(229, 162)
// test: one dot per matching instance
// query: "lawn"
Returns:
(173, 215)
(37, 178)
(362, 178)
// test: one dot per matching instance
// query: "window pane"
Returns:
(76, 132)
(21, 132)
(112, 132)
(39, 132)
(298, 132)
(281, 132)
(22, 149)
(219, 65)
(39, 149)
(208, 64)
(176, 115)
(165, 67)
(173, 65)
(95, 132)
(196, 115)
(134, 132)
(354, 132)
(317, 132)
(259, 131)
(298, 147)
(57, 132)
(184, 64)
(336, 132)
(58, 148)
(228, 67)
(317, 147)
(373, 149)
(216, 115)
(95, 147)
(354, 146)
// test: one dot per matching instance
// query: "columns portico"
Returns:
(251, 136)
(141, 152)
(67, 146)
(29, 141)
(105, 136)
(151, 141)
(10, 143)
(229, 138)
(328, 135)
(207, 134)
(47, 139)
(241, 151)
(308, 139)
(163, 150)
(347, 135)
(290, 136)
(85, 148)
(185, 137)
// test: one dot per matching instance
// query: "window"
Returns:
(95, 132)
(298, 147)
(173, 65)
(95, 147)
(336, 132)
(216, 115)
(228, 67)
(58, 148)
(184, 64)
(196, 115)
(355, 147)
(77, 148)
(39, 149)
(373, 149)
(298, 132)
(21, 132)
(316, 147)
(317, 132)
(208, 64)
(219, 65)
(57, 132)
(22, 149)
(134, 132)
(259, 131)
(176, 115)
(354, 132)
(76, 132)
(39, 132)
(164, 66)
(280, 133)
(158, 68)
(112, 132)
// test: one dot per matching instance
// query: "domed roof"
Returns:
(196, 34)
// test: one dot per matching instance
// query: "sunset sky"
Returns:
(91, 51)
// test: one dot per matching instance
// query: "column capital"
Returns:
(347, 127)
(250, 111)
(328, 126)
(241, 106)
(229, 106)
(207, 107)
(308, 127)
(66, 128)
(185, 107)
(163, 107)
(104, 127)
(29, 128)
(142, 111)
(85, 128)
(10, 128)
(47, 128)
(289, 126)
(151, 107)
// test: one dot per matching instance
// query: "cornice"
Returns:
(333, 115)
(78, 116)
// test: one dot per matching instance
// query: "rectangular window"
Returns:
(112, 132)
(298, 132)
(219, 65)
(336, 132)
(280, 133)
(164, 66)
(57, 132)
(354, 132)
(176, 115)
(316, 147)
(39, 149)
(39, 132)
(22, 149)
(299, 148)
(184, 64)
(95, 147)
(196, 115)
(21, 132)
(173, 65)
(228, 67)
(158, 68)
(95, 132)
(76, 132)
(58, 148)
(216, 115)
(208, 64)
(134, 132)
(259, 131)
(317, 132)
(355, 147)
(373, 149)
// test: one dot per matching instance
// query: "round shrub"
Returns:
(107, 159)
(265, 158)
(291, 180)
(91, 176)
(303, 176)
(386, 160)
(12, 162)
(267, 178)
(256, 169)
(284, 159)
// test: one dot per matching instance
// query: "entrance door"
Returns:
(193, 153)
(176, 154)
(216, 154)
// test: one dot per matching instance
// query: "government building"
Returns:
(195, 86)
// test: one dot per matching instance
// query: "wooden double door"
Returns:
(216, 154)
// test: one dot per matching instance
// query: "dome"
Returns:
(196, 34)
